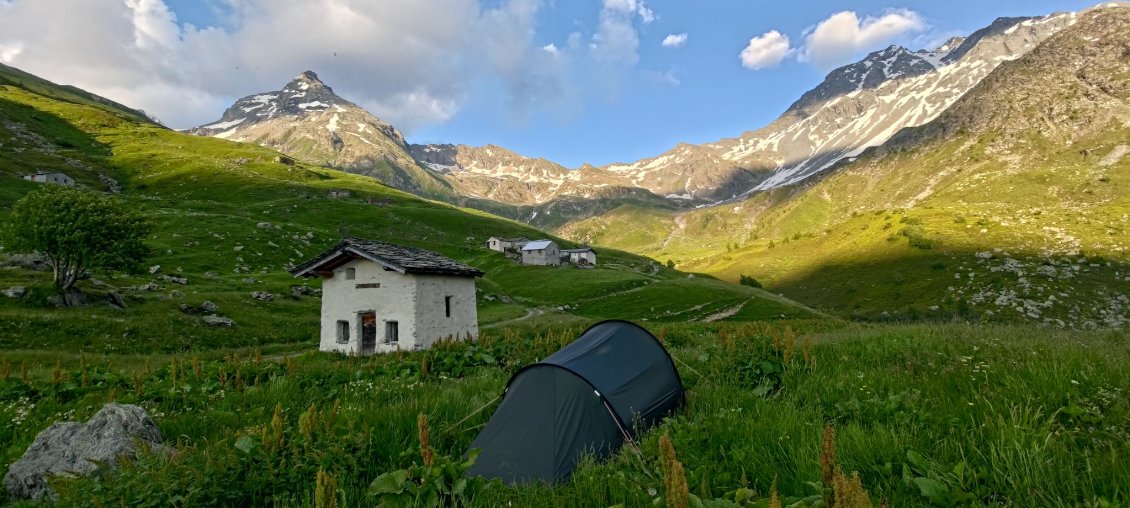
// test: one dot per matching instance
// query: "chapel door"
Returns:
(368, 333)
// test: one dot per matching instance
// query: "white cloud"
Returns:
(551, 49)
(616, 40)
(766, 50)
(413, 62)
(838, 39)
(9, 52)
(668, 77)
(675, 40)
(631, 7)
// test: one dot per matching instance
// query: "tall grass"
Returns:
(933, 414)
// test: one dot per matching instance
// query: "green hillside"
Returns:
(1013, 205)
(231, 219)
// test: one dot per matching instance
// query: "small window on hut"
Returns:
(447, 306)
(392, 332)
(343, 332)
(350, 273)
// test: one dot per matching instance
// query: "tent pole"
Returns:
(627, 438)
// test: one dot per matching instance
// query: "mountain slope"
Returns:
(1013, 204)
(308, 121)
(857, 106)
(230, 219)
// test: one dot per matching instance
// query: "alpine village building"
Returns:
(379, 297)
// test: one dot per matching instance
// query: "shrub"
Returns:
(747, 280)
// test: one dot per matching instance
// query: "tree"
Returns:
(78, 231)
(671, 264)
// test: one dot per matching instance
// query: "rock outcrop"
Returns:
(73, 448)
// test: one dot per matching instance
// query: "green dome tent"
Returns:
(587, 398)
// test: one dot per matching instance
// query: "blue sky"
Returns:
(571, 81)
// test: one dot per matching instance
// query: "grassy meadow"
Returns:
(928, 415)
(941, 414)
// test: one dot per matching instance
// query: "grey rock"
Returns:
(265, 225)
(188, 309)
(218, 321)
(211, 275)
(262, 295)
(72, 298)
(251, 280)
(237, 248)
(177, 294)
(74, 448)
(209, 307)
(154, 269)
(15, 292)
(175, 280)
(298, 291)
(116, 300)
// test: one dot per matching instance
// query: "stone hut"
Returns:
(541, 252)
(379, 297)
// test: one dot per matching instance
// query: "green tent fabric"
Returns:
(585, 399)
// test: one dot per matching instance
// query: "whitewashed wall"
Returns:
(395, 300)
(432, 323)
(415, 302)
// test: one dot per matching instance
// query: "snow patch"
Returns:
(224, 125)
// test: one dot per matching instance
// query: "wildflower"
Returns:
(675, 482)
(425, 447)
(828, 454)
(325, 493)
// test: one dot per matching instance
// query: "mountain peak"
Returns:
(305, 81)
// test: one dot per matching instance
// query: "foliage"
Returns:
(747, 280)
(439, 480)
(78, 231)
(251, 429)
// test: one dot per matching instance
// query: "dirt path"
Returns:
(531, 312)
(724, 313)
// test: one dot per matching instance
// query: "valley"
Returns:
(910, 289)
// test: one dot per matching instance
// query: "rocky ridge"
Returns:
(308, 121)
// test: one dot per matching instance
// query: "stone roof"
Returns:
(583, 249)
(537, 245)
(398, 258)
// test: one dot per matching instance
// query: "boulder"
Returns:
(262, 295)
(299, 291)
(209, 307)
(78, 448)
(116, 300)
(72, 298)
(154, 269)
(15, 292)
(218, 321)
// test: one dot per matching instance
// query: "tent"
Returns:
(587, 398)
